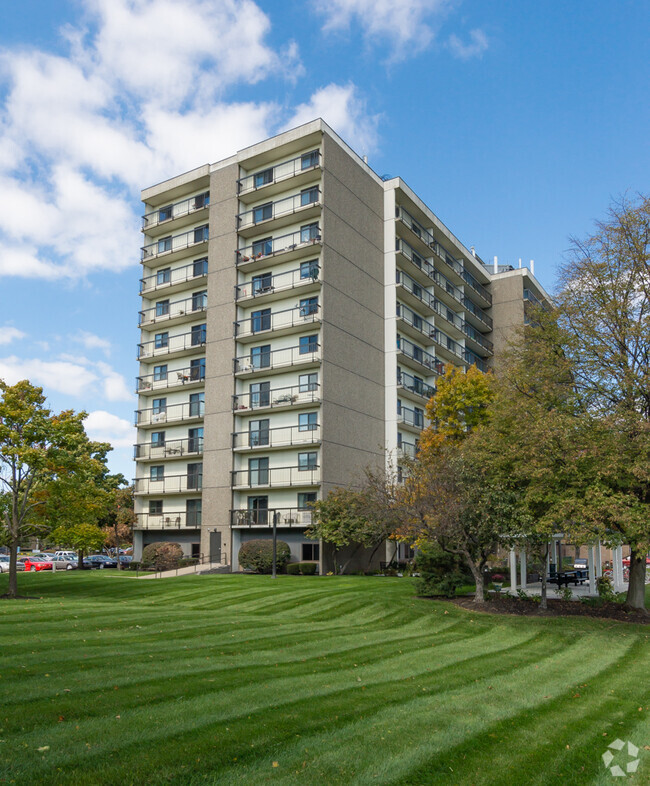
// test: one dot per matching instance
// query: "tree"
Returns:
(83, 538)
(120, 517)
(41, 455)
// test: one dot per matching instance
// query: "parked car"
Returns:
(35, 563)
(125, 559)
(48, 555)
(67, 554)
(101, 561)
(626, 561)
(4, 563)
(65, 563)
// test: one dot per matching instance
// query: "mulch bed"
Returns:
(506, 604)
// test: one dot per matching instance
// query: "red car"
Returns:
(626, 561)
(35, 563)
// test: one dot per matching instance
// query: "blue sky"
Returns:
(517, 122)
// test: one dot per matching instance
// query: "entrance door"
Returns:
(215, 547)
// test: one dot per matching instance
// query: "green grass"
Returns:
(212, 680)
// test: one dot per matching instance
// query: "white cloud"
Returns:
(341, 107)
(61, 376)
(91, 341)
(477, 45)
(9, 334)
(114, 385)
(408, 25)
(102, 426)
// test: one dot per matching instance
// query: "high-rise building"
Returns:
(296, 311)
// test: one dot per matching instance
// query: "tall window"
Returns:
(201, 234)
(309, 195)
(309, 232)
(308, 344)
(155, 507)
(195, 476)
(193, 510)
(309, 269)
(308, 305)
(258, 433)
(263, 212)
(310, 552)
(161, 340)
(308, 421)
(199, 300)
(308, 160)
(262, 283)
(158, 439)
(263, 177)
(307, 461)
(201, 200)
(305, 498)
(258, 472)
(197, 405)
(307, 383)
(258, 507)
(260, 394)
(159, 406)
(160, 373)
(165, 213)
(198, 335)
(195, 440)
(163, 276)
(418, 416)
(197, 369)
(162, 308)
(200, 267)
(165, 244)
(262, 248)
(261, 356)
(261, 320)
(157, 473)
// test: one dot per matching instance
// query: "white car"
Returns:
(4, 563)
(65, 563)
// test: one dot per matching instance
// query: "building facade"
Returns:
(296, 312)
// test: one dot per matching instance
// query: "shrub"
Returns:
(605, 589)
(566, 593)
(440, 573)
(187, 561)
(161, 556)
(308, 568)
(293, 568)
(134, 565)
(257, 555)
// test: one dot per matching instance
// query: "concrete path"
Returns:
(167, 574)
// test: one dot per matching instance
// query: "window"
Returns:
(156, 473)
(261, 320)
(161, 340)
(310, 551)
(195, 476)
(262, 283)
(308, 421)
(258, 433)
(162, 308)
(195, 440)
(159, 373)
(197, 405)
(263, 212)
(308, 305)
(193, 510)
(308, 160)
(159, 406)
(263, 178)
(307, 461)
(155, 507)
(165, 213)
(308, 344)
(309, 195)
(418, 417)
(307, 383)
(261, 356)
(305, 498)
(416, 259)
(201, 234)
(258, 507)
(309, 232)
(158, 439)
(195, 550)
(198, 335)
(197, 369)
(163, 276)
(200, 267)
(309, 269)
(165, 244)
(258, 472)
(199, 300)
(201, 200)
(260, 394)
(262, 248)
(417, 353)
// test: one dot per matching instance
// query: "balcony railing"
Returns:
(278, 320)
(281, 207)
(474, 360)
(410, 417)
(279, 282)
(177, 210)
(307, 393)
(531, 298)
(478, 312)
(154, 416)
(426, 359)
(170, 484)
(278, 245)
(277, 358)
(172, 448)
(409, 382)
(279, 172)
(276, 476)
(283, 517)
(163, 312)
(472, 333)
(167, 245)
(408, 449)
(163, 380)
(171, 277)
(171, 344)
(173, 520)
(277, 437)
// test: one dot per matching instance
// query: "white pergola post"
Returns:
(617, 556)
(513, 570)
(591, 555)
(599, 560)
(522, 568)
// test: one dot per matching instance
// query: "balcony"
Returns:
(283, 248)
(173, 312)
(170, 449)
(413, 355)
(174, 246)
(173, 520)
(473, 311)
(170, 484)
(277, 398)
(170, 346)
(282, 212)
(174, 279)
(186, 211)
(284, 517)
(272, 361)
(415, 294)
(410, 384)
(150, 384)
(275, 476)
(290, 320)
(172, 413)
(410, 418)
(274, 179)
(281, 437)
(407, 449)
(264, 288)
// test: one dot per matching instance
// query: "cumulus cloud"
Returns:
(9, 334)
(59, 375)
(114, 385)
(91, 341)
(478, 44)
(102, 426)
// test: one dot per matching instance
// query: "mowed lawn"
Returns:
(106, 679)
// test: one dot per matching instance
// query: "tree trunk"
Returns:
(350, 558)
(636, 589)
(479, 597)
(117, 548)
(543, 605)
(13, 572)
(80, 559)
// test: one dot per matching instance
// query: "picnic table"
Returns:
(567, 577)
